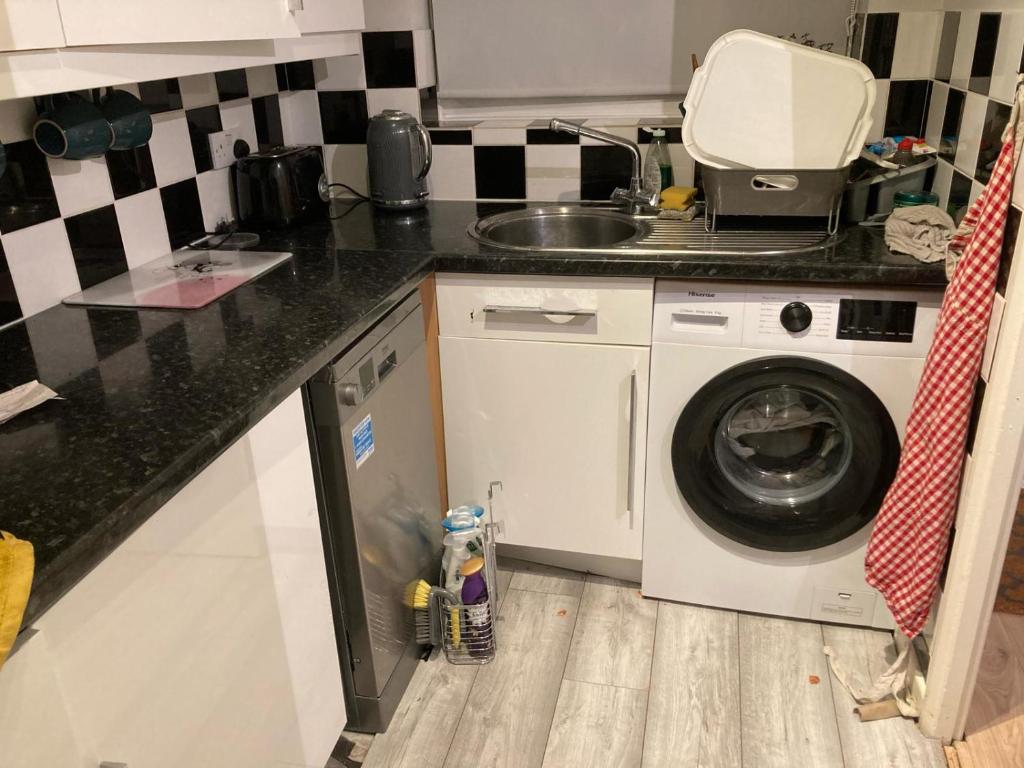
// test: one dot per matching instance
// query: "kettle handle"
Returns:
(428, 152)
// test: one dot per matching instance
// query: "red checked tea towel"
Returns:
(911, 534)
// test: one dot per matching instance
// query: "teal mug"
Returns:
(130, 121)
(73, 129)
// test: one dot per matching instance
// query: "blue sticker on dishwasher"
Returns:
(362, 440)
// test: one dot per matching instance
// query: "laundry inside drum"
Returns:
(783, 446)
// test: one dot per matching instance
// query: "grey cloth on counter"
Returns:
(921, 231)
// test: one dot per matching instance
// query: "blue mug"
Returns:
(73, 129)
(129, 120)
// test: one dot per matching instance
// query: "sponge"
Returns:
(677, 198)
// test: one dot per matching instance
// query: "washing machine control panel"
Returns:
(868, 320)
(804, 319)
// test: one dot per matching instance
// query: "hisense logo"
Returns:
(702, 294)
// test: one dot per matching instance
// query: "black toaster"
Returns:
(280, 187)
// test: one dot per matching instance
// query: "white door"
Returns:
(112, 22)
(554, 423)
(30, 24)
(329, 15)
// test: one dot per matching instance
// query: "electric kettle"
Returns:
(398, 157)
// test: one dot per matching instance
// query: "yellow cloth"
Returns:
(17, 562)
(677, 198)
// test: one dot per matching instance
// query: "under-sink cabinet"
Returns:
(544, 383)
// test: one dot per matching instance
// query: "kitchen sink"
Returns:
(579, 229)
(557, 228)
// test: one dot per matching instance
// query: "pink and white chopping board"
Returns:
(180, 280)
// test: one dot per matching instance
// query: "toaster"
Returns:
(281, 187)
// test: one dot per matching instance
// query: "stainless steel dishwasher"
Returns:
(379, 504)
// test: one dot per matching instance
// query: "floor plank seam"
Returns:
(650, 680)
(739, 688)
(476, 676)
(832, 697)
(462, 712)
(565, 664)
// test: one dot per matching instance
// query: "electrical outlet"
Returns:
(222, 148)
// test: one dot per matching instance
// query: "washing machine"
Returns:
(776, 414)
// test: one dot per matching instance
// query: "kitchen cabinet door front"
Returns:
(30, 24)
(116, 22)
(329, 16)
(562, 426)
(205, 639)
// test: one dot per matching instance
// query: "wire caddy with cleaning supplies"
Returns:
(463, 624)
(466, 633)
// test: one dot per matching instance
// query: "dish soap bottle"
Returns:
(658, 165)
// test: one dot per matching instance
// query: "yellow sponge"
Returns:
(677, 198)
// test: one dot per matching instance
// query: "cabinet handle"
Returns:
(501, 309)
(630, 471)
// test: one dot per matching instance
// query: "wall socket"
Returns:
(222, 148)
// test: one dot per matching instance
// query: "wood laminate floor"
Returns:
(995, 721)
(589, 673)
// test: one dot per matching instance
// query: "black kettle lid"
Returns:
(394, 116)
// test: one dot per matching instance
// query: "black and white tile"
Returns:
(65, 225)
(953, 72)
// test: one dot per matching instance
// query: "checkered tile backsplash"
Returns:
(66, 225)
(945, 74)
(948, 75)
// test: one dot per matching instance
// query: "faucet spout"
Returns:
(636, 197)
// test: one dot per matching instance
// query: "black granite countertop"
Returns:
(152, 397)
(859, 255)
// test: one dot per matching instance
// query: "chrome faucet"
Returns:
(636, 198)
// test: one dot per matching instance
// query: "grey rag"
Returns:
(921, 231)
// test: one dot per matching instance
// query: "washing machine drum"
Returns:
(785, 454)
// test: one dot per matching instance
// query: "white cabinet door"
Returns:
(35, 726)
(554, 423)
(330, 15)
(30, 24)
(206, 639)
(111, 22)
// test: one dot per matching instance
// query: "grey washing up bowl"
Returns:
(557, 228)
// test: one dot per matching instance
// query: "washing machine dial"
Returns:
(795, 317)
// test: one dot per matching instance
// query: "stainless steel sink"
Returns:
(576, 229)
(557, 228)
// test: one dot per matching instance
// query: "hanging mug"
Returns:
(73, 128)
(130, 121)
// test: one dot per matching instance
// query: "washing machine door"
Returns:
(785, 454)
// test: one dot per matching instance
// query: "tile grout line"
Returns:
(650, 680)
(565, 663)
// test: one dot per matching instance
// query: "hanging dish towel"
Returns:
(17, 562)
(911, 534)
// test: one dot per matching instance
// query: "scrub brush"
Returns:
(417, 594)
(417, 597)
